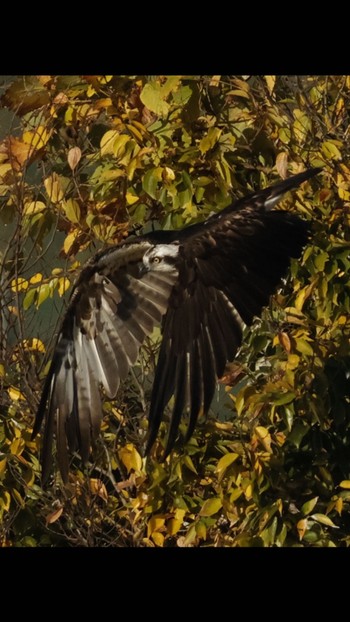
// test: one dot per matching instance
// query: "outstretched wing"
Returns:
(229, 268)
(112, 309)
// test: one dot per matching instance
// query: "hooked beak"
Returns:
(142, 270)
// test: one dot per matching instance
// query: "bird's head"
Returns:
(161, 257)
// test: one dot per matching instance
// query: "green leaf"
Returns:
(211, 506)
(308, 506)
(297, 434)
(29, 298)
(189, 463)
(182, 95)
(325, 520)
(330, 150)
(44, 292)
(152, 97)
(151, 180)
(285, 398)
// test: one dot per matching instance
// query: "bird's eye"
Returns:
(156, 259)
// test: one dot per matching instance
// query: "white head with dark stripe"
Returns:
(161, 257)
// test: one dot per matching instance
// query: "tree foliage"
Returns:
(88, 159)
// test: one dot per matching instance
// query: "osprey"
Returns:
(203, 284)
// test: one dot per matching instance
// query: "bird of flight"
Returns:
(202, 284)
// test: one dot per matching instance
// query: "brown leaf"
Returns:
(25, 94)
(282, 164)
(54, 516)
(98, 488)
(285, 342)
(74, 156)
(18, 152)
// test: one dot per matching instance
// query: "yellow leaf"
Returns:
(34, 207)
(179, 514)
(248, 491)
(345, 483)
(63, 285)
(17, 446)
(5, 500)
(19, 152)
(3, 466)
(224, 462)
(339, 505)
(131, 199)
(37, 138)
(324, 520)
(15, 394)
(74, 155)
(301, 527)
(330, 150)
(69, 241)
(210, 139)
(34, 344)
(98, 488)
(303, 295)
(264, 437)
(168, 174)
(36, 278)
(302, 125)
(2, 370)
(54, 516)
(270, 81)
(20, 284)
(158, 538)
(211, 506)
(4, 169)
(119, 145)
(201, 530)
(154, 524)
(293, 361)
(173, 526)
(107, 141)
(130, 457)
(56, 186)
(72, 210)
(304, 347)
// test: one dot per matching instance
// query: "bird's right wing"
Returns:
(113, 307)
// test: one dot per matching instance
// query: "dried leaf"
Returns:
(301, 527)
(98, 488)
(285, 342)
(54, 516)
(74, 155)
(282, 164)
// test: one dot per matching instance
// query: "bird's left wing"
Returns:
(113, 307)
